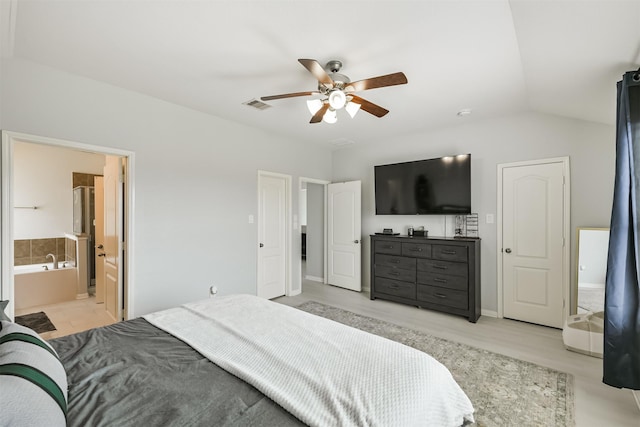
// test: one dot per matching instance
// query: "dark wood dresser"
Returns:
(435, 273)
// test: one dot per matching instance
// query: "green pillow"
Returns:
(33, 382)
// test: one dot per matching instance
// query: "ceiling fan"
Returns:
(339, 91)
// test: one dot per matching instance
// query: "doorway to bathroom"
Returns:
(50, 214)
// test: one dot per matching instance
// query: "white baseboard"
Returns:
(82, 296)
(636, 394)
(489, 313)
(314, 278)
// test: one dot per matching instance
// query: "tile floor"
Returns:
(70, 317)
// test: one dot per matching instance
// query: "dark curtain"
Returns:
(622, 296)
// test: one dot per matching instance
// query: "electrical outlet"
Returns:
(490, 219)
(213, 290)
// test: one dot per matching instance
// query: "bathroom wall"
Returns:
(35, 251)
(43, 178)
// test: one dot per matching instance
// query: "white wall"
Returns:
(196, 177)
(43, 177)
(590, 146)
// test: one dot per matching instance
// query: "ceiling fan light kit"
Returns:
(337, 99)
(352, 108)
(330, 116)
(338, 91)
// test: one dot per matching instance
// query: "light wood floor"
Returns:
(597, 404)
(70, 317)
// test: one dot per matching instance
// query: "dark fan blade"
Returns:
(288, 95)
(376, 82)
(317, 117)
(317, 70)
(369, 107)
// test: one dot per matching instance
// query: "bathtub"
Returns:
(35, 286)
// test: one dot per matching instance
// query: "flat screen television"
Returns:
(424, 187)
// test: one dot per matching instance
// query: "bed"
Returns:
(243, 361)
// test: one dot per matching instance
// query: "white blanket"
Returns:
(322, 372)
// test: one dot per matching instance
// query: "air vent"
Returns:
(257, 104)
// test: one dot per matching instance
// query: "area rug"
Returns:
(504, 391)
(39, 322)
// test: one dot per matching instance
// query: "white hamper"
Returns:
(584, 333)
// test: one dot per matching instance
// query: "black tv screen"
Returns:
(424, 187)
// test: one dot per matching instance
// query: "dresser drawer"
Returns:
(443, 267)
(450, 253)
(396, 288)
(396, 261)
(443, 280)
(391, 248)
(419, 250)
(395, 273)
(443, 296)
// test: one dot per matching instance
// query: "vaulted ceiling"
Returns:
(495, 57)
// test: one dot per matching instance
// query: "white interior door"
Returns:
(272, 235)
(533, 243)
(98, 185)
(113, 213)
(344, 235)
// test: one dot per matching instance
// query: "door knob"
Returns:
(508, 250)
(101, 255)
(356, 241)
(261, 245)
(99, 247)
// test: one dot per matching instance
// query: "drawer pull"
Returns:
(446, 252)
(437, 279)
(417, 249)
(440, 295)
(395, 261)
(394, 273)
(389, 247)
(440, 267)
(394, 287)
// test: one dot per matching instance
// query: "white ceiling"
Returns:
(496, 57)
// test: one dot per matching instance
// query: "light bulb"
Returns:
(352, 108)
(314, 105)
(337, 99)
(330, 116)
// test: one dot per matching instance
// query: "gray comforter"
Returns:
(134, 374)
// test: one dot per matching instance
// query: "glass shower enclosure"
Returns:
(84, 225)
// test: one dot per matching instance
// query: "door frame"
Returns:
(324, 184)
(6, 212)
(287, 226)
(566, 228)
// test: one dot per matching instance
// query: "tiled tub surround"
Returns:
(34, 251)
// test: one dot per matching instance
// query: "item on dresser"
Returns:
(410, 231)
(437, 273)
(388, 232)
